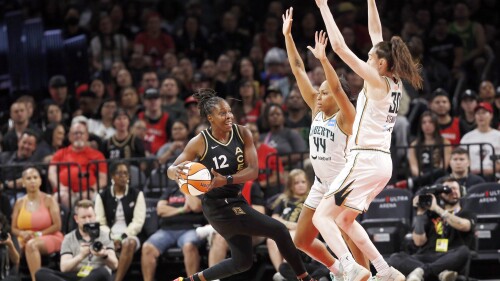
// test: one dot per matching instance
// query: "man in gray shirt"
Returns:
(78, 260)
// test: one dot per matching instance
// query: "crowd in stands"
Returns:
(64, 143)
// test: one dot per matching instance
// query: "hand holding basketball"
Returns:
(194, 179)
(218, 180)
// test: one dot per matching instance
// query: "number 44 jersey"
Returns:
(375, 119)
(328, 146)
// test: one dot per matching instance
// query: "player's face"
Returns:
(222, 117)
(325, 100)
(299, 185)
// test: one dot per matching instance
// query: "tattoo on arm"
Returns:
(298, 63)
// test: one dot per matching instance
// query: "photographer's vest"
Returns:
(110, 203)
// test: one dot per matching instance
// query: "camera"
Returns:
(93, 230)
(4, 235)
(424, 194)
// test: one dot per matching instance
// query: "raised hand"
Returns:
(321, 3)
(287, 21)
(319, 49)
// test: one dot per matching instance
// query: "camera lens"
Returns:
(4, 235)
(97, 246)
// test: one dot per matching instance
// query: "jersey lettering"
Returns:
(320, 142)
(223, 160)
(396, 97)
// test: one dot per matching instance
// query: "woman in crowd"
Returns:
(36, 221)
(428, 155)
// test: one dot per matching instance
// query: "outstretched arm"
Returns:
(368, 73)
(374, 25)
(306, 88)
(347, 111)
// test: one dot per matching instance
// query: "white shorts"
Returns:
(318, 190)
(364, 176)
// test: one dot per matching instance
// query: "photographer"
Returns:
(9, 253)
(81, 258)
(441, 233)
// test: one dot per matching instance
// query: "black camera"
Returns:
(93, 230)
(4, 235)
(424, 194)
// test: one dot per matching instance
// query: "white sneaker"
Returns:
(205, 231)
(416, 275)
(447, 275)
(278, 277)
(338, 277)
(393, 275)
(357, 273)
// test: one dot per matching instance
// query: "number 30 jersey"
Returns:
(328, 146)
(375, 119)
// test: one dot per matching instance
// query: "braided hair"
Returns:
(207, 101)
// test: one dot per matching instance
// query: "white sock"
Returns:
(347, 262)
(335, 267)
(381, 266)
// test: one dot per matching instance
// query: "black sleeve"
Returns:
(138, 148)
(471, 216)
(168, 127)
(278, 210)
(103, 147)
(257, 195)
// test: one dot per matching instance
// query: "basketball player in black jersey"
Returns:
(227, 150)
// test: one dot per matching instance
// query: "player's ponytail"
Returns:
(400, 61)
(207, 101)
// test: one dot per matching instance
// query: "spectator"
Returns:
(107, 46)
(224, 69)
(102, 126)
(87, 104)
(230, 37)
(20, 122)
(193, 113)
(431, 225)
(191, 40)
(169, 62)
(246, 72)
(487, 91)
(429, 154)
(273, 95)
(139, 128)
(81, 176)
(270, 35)
(496, 110)
(449, 127)
(170, 99)
(153, 43)
(11, 172)
(170, 150)
(180, 214)
(247, 107)
(123, 144)
(286, 209)
(158, 123)
(9, 253)
(468, 103)
(36, 221)
(473, 39)
(121, 211)
(284, 140)
(347, 17)
(479, 153)
(58, 89)
(149, 80)
(299, 115)
(123, 80)
(71, 26)
(52, 140)
(130, 102)
(78, 257)
(459, 165)
(99, 89)
(52, 114)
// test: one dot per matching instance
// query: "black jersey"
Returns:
(130, 147)
(225, 159)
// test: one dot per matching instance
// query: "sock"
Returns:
(335, 267)
(381, 266)
(347, 262)
(193, 277)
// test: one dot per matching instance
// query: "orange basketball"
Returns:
(197, 179)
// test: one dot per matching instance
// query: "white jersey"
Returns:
(328, 146)
(375, 119)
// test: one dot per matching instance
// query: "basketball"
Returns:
(197, 179)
